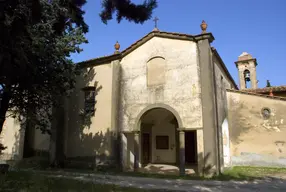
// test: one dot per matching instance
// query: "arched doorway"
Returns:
(226, 143)
(159, 137)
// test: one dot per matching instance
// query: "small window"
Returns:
(89, 100)
(162, 142)
(266, 113)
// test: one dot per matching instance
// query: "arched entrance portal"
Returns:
(159, 137)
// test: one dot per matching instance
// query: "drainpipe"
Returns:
(218, 163)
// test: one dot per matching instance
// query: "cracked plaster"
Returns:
(181, 79)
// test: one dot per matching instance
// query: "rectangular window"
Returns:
(89, 100)
(162, 142)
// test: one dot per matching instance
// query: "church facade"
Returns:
(168, 99)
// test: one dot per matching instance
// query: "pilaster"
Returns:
(182, 152)
(136, 150)
(208, 106)
(115, 137)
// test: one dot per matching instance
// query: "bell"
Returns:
(247, 75)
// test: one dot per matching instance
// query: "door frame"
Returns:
(142, 148)
(195, 147)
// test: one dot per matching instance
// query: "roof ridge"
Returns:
(163, 34)
(266, 89)
(257, 94)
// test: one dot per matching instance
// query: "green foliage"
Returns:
(37, 38)
(37, 70)
(127, 10)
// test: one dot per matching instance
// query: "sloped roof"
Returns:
(256, 94)
(169, 35)
(274, 89)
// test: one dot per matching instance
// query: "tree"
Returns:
(268, 83)
(37, 37)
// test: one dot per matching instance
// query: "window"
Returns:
(89, 100)
(162, 142)
(266, 113)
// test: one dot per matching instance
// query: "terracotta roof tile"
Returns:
(257, 94)
(276, 89)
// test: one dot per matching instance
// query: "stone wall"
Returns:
(179, 88)
(256, 140)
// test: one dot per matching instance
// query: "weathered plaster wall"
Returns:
(222, 83)
(92, 136)
(164, 155)
(13, 136)
(180, 90)
(254, 140)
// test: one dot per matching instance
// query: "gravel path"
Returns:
(266, 184)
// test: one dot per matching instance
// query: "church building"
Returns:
(167, 103)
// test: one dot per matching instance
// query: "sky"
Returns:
(254, 26)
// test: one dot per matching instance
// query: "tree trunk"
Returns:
(4, 106)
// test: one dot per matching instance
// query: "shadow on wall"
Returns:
(204, 164)
(22, 149)
(246, 117)
(15, 152)
(92, 145)
(96, 151)
(257, 136)
(206, 168)
(239, 120)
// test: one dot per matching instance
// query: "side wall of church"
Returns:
(255, 140)
(13, 137)
(222, 83)
(10, 138)
(173, 80)
(92, 136)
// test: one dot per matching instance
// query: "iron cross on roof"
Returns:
(155, 20)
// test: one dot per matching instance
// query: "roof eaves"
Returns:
(281, 88)
(170, 35)
(257, 94)
(100, 60)
(224, 67)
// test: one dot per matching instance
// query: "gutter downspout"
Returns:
(218, 163)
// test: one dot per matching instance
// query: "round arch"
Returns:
(154, 106)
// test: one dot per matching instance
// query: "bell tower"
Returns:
(246, 66)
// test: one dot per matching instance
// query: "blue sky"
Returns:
(255, 26)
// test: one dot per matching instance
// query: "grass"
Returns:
(31, 182)
(248, 173)
(235, 173)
